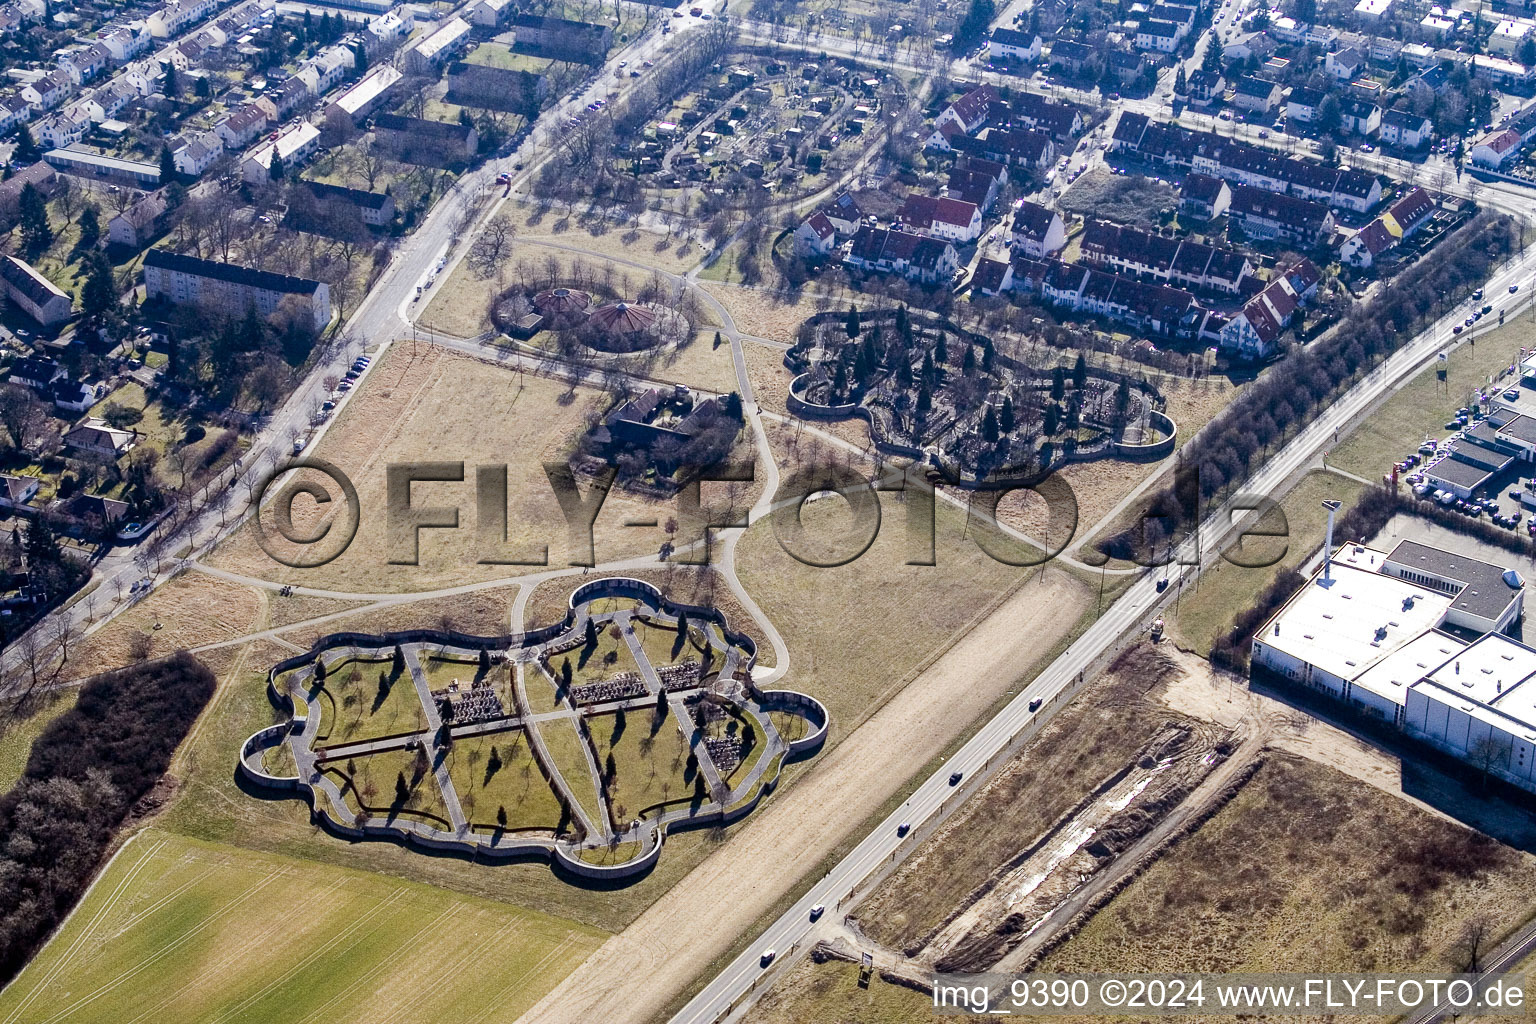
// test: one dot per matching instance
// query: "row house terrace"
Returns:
(1165, 260)
(893, 251)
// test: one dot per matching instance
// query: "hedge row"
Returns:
(84, 774)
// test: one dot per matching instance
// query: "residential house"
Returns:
(815, 236)
(973, 185)
(95, 437)
(377, 208)
(481, 85)
(139, 223)
(1497, 148)
(18, 491)
(1264, 215)
(1405, 130)
(196, 153)
(491, 13)
(893, 251)
(416, 140)
(950, 219)
(367, 96)
(71, 395)
(61, 130)
(1205, 87)
(560, 39)
(1204, 196)
(37, 374)
(1038, 231)
(970, 111)
(238, 128)
(34, 294)
(1345, 65)
(1255, 95)
(39, 175)
(48, 91)
(437, 48)
(292, 148)
(1070, 55)
(1254, 332)
(1013, 45)
(230, 290)
(1158, 36)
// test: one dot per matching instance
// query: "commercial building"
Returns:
(230, 290)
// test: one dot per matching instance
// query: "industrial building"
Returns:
(1417, 637)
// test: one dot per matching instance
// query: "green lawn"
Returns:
(515, 784)
(1425, 403)
(499, 55)
(660, 644)
(183, 930)
(363, 698)
(565, 750)
(1210, 604)
(373, 778)
(650, 761)
(17, 734)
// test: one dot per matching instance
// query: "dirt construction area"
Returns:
(670, 944)
(1183, 822)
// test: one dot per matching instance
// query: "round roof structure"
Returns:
(622, 318)
(561, 301)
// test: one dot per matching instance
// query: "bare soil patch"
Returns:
(1086, 742)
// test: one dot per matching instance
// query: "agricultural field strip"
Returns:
(90, 997)
(88, 932)
(494, 1002)
(352, 928)
(385, 963)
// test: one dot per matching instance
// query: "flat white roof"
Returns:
(1373, 7)
(1487, 668)
(1393, 676)
(1357, 620)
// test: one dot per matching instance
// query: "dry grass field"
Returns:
(763, 314)
(424, 404)
(462, 304)
(829, 993)
(192, 609)
(285, 611)
(858, 632)
(1087, 741)
(1425, 403)
(1224, 589)
(188, 931)
(484, 612)
(1307, 870)
(19, 727)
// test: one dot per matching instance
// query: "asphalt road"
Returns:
(926, 808)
